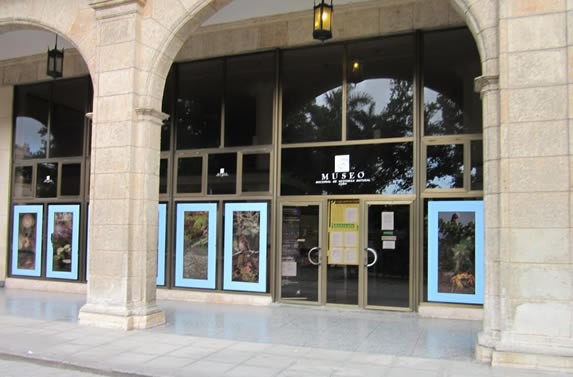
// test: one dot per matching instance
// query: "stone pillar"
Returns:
(528, 306)
(6, 105)
(124, 179)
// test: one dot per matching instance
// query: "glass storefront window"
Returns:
(47, 180)
(167, 108)
(198, 104)
(375, 169)
(445, 166)
(23, 181)
(32, 114)
(380, 93)
(163, 165)
(189, 173)
(477, 165)
(312, 94)
(256, 172)
(222, 174)
(68, 118)
(450, 104)
(250, 82)
(71, 179)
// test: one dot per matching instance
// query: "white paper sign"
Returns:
(336, 256)
(387, 220)
(289, 268)
(336, 239)
(389, 245)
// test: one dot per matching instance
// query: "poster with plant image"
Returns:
(27, 240)
(246, 229)
(195, 245)
(63, 233)
(245, 246)
(455, 251)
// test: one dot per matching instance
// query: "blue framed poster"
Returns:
(245, 249)
(63, 241)
(455, 251)
(27, 240)
(196, 245)
(162, 224)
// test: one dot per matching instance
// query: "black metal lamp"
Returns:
(55, 67)
(322, 20)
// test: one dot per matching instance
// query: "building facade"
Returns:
(209, 150)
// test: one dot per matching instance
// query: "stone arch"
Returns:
(481, 17)
(76, 24)
(179, 30)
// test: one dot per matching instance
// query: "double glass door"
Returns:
(346, 252)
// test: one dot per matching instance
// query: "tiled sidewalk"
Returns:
(233, 340)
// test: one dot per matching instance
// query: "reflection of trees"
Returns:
(390, 166)
(444, 117)
(314, 122)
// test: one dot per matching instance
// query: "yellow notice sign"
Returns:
(343, 233)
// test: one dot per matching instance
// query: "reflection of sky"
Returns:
(378, 89)
(28, 132)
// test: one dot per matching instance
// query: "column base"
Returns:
(121, 318)
(498, 351)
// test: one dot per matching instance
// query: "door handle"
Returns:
(316, 248)
(369, 250)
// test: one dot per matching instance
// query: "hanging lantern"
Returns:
(55, 67)
(322, 20)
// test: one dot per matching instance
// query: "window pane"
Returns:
(477, 165)
(68, 117)
(71, 179)
(256, 170)
(222, 174)
(189, 172)
(198, 104)
(167, 108)
(249, 100)
(32, 113)
(23, 181)
(163, 164)
(360, 169)
(47, 180)
(380, 88)
(445, 166)
(451, 62)
(312, 94)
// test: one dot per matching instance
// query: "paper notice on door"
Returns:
(336, 256)
(289, 268)
(351, 239)
(351, 215)
(388, 245)
(336, 239)
(350, 256)
(387, 221)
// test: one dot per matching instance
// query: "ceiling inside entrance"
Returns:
(20, 43)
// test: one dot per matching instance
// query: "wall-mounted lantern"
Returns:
(55, 67)
(322, 20)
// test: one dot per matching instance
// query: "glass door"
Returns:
(301, 252)
(387, 262)
(343, 270)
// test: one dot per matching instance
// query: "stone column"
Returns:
(124, 179)
(530, 322)
(488, 88)
(6, 104)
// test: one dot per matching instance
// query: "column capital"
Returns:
(486, 83)
(146, 113)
